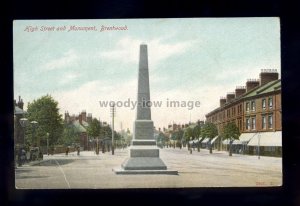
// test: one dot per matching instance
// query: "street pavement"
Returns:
(199, 169)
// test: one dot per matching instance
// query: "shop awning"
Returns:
(226, 141)
(214, 139)
(194, 141)
(267, 139)
(243, 139)
(246, 137)
(205, 140)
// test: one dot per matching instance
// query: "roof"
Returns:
(18, 110)
(267, 88)
(78, 126)
(84, 123)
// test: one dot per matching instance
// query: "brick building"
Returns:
(18, 114)
(80, 123)
(256, 110)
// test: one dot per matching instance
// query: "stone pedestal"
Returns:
(143, 152)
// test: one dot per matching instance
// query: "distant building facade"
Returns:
(256, 110)
(80, 123)
(18, 114)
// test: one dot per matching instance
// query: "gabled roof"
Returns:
(18, 110)
(78, 126)
(267, 88)
(84, 123)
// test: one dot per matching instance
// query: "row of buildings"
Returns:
(256, 110)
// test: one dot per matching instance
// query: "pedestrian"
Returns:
(67, 151)
(78, 150)
(28, 155)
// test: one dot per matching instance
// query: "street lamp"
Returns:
(24, 123)
(258, 149)
(34, 125)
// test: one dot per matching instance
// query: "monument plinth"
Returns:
(143, 152)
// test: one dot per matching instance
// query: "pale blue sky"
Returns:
(189, 59)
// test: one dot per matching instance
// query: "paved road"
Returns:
(199, 169)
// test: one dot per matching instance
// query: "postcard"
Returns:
(147, 103)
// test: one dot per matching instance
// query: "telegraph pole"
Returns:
(113, 113)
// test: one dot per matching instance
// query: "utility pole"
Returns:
(113, 113)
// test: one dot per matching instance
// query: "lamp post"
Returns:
(258, 149)
(34, 125)
(113, 113)
(24, 123)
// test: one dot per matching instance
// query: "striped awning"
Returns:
(214, 139)
(267, 139)
(205, 140)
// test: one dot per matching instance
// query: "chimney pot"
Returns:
(251, 84)
(268, 75)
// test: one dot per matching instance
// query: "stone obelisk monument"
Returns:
(143, 152)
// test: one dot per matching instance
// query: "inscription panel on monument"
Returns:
(143, 130)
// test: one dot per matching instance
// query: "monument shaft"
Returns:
(143, 126)
(143, 152)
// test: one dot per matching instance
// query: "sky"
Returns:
(193, 59)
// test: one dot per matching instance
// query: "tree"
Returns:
(179, 137)
(209, 130)
(46, 112)
(188, 133)
(231, 132)
(197, 131)
(106, 131)
(94, 128)
(70, 135)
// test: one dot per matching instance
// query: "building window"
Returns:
(263, 104)
(270, 121)
(247, 123)
(253, 121)
(247, 107)
(264, 122)
(253, 105)
(270, 102)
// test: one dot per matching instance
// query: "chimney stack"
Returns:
(240, 90)
(268, 75)
(230, 96)
(80, 118)
(222, 101)
(89, 118)
(20, 103)
(251, 84)
(83, 114)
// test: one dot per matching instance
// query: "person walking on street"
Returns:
(78, 150)
(67, 151)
